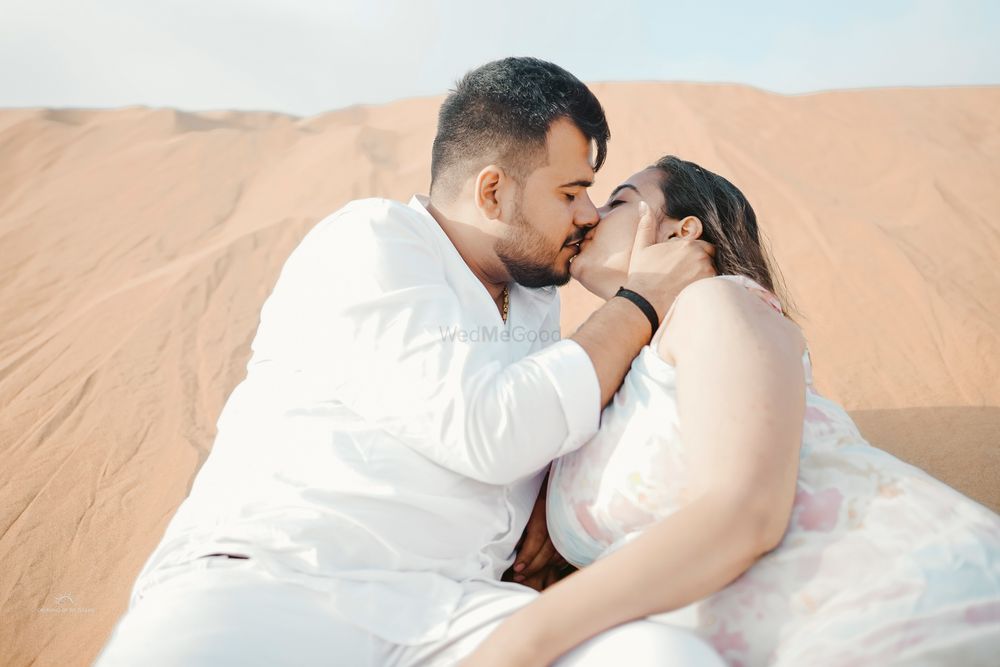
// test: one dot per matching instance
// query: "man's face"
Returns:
(551, 212)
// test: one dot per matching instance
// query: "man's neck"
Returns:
(476, 248)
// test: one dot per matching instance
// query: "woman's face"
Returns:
(602, 265)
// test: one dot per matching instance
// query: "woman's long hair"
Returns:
(728, 222)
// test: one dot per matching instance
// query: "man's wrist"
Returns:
(654, 294)
(626, 315)
(643, 305)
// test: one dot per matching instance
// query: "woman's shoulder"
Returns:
(736, 305)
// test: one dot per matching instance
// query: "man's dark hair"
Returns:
(501, 112)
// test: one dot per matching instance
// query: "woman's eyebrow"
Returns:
(621, 187)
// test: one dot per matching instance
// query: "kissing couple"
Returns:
(664, 486)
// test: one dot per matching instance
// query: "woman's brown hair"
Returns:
(727, 219)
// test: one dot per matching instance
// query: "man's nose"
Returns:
(588, 215)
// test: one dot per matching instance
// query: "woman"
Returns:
(723, 488)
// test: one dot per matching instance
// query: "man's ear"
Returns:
(489, 182)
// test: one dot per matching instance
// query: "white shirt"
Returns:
(392, 432)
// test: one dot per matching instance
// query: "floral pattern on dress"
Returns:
(880, 564)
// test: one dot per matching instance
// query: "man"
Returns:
(407, 390)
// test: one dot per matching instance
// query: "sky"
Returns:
(308, 56)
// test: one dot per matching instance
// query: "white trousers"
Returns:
(220, 611)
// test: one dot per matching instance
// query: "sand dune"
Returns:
(137, 245)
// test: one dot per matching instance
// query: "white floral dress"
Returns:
(881, 563)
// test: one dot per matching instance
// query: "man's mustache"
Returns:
(579, 238)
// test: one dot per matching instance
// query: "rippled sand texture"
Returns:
(137, 246)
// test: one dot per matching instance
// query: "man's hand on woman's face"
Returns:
(659, 271)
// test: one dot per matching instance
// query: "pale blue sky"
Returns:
(308, 56)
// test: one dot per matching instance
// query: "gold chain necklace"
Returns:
(506, 303)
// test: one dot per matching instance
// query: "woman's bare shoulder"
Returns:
(727, 308)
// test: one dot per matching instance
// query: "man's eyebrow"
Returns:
(581, 183)
(621, 187)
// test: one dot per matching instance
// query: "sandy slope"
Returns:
(137, 245)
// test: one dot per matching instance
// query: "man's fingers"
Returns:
(544, 556)
(535, 538)
(556, 570)
(645, 233)
(537, 582)
(535, 533)
(538, 562)
(706, 246)
(543, 579)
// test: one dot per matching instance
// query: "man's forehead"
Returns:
(570, 155)
(568, 173)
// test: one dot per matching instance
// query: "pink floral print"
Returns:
(881, 563)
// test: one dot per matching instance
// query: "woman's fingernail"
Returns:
(519, 567)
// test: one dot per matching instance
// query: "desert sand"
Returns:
(137, 246)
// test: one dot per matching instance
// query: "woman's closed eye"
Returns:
(615, 203)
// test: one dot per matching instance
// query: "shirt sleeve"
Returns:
(379, 319)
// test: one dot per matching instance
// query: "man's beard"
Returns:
(526, 255)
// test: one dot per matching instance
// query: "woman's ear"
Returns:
(689, 228)
(489, 182)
